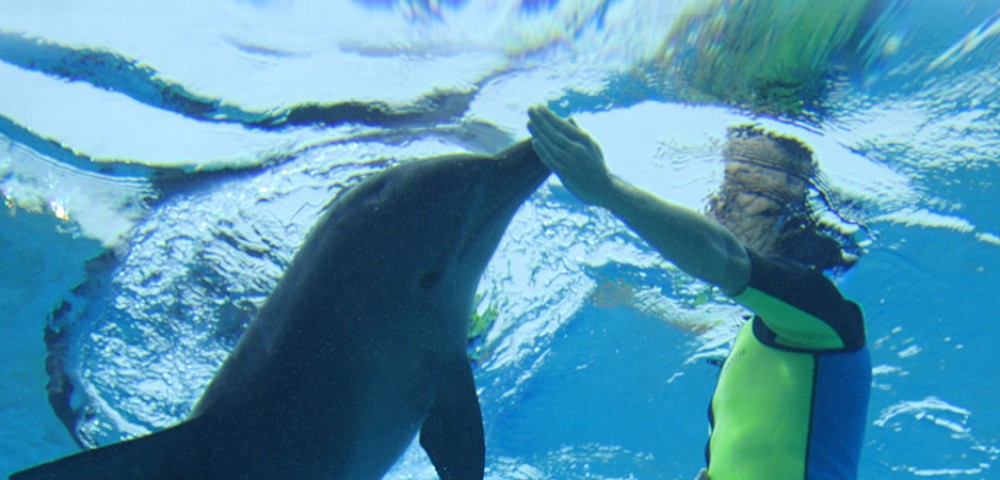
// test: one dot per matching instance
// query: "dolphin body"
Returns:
(360, 346)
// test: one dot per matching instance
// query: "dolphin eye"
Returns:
(431, 278)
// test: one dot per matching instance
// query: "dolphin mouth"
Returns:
(516, 174)
(521, 167)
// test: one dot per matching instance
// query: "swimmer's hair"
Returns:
(794, 234)
(752, 144)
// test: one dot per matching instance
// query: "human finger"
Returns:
(567, 128)
(542, 129)
(548, 123)
(553, 154)
(545, 155)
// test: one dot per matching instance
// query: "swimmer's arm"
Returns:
(693, 242)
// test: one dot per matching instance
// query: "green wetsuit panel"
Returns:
(761, 412)
(793, 327)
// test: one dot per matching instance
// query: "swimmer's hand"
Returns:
(572, 154)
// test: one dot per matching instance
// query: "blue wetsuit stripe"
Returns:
(840, 410)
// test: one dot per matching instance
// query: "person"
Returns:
(792, 395)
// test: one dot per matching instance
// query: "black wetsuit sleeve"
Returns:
(800, 309)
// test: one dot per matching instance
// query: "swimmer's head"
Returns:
(763, 199)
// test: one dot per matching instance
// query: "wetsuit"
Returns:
(792, 398)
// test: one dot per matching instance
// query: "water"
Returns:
(197, 141)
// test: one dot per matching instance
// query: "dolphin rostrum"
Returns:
(360, 346)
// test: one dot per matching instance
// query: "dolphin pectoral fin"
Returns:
(155, 456)
(452, 434)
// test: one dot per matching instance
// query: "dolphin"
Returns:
(360, 346)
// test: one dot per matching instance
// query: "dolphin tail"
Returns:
(452, 434)
(138, 459)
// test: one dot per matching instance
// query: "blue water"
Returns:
(160, 163)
